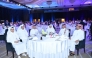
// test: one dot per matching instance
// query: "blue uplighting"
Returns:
(12, 20)
(31, 17)
(42, 17)
(52, 17)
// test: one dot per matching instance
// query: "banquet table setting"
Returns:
(48, 47)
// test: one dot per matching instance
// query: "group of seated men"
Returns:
(14, 36)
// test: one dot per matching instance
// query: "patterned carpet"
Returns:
(81, 54)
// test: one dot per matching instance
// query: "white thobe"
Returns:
(77, 35)
(2, 31)
(64, 32)
(19, 47)
(35, 33)
(23, 35)
(50, 30)
(86, 28)
(72, 28)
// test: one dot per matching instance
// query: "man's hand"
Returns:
(16, 41)
(77, 41)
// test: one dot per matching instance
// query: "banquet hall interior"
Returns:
(49, 11)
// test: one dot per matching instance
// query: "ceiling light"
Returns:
(7, 0)
(19, 4)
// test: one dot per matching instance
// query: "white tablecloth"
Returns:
(48, 49)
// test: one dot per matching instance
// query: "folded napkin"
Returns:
(63, 37)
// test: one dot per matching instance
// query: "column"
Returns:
(52, 17)
(31, 17)
(42, 17)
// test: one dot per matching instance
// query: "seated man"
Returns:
(22, 33)
(34, 32)
(77, 36)
(50, 29)
(64, 31)
(13, 38)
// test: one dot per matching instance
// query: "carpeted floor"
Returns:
(81, 54)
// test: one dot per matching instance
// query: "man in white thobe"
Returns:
(77, 36)
(64, 31)
(13, 38)
(34, 32)
(22, 33)
(2, 29)
(87, 28)
(50, 29)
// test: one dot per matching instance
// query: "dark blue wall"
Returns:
(26, 15)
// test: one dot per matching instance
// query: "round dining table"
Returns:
(48, 48)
